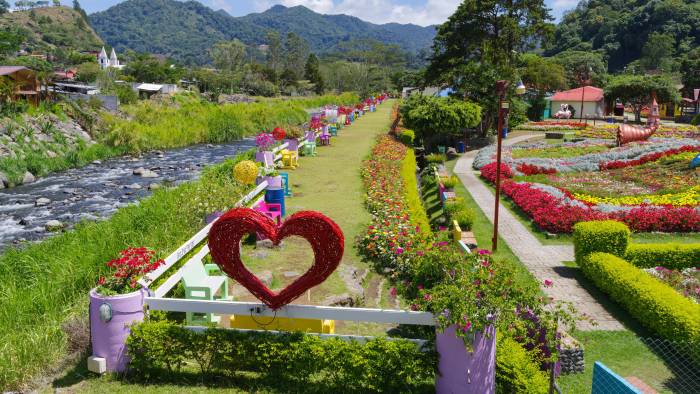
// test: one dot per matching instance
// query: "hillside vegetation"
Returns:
(53, 27)
(186, 31)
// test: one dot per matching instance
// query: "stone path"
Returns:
(543, 261)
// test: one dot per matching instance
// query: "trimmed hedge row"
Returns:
(656, 305)
(671, 255)
(606, 236)
(516, 371)
(159, 349)
(412, 196)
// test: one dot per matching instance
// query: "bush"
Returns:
(600, 236)
(516, 370)
(654, 304)
(671, 255)
(158, 349)
(436, 158)
(465, 218)
(453, 206)
(407, 137)
(450, 182)
(416, 210)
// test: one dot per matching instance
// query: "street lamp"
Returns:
(503, 109)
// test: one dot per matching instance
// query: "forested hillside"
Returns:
(649, 34)
(186, 31)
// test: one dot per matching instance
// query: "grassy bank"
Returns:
(186, 119)
(45, 284)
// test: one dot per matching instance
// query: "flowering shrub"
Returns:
(278, 133)
(686, 282)
(264, 141)
(531, 169)
(131, 265)
(489, 172)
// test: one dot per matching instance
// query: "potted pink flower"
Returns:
(117, 303)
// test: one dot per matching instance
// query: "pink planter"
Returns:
(110, 320)
(462, 371)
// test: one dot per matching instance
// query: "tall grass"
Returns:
(43, 284)
(185, 119)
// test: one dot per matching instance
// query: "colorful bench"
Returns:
(200, 285)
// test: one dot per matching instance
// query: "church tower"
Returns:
(102, 59)
(113, 61)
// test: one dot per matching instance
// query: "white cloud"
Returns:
(222, 5)
(376, 11)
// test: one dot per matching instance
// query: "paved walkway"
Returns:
(543, 261)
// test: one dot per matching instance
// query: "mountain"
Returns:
(52, 27)
(619, 30)
(187, 30)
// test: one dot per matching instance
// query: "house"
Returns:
(65, 75)
(586, 101)
(149, 89)
(109, 62)
(23, 81)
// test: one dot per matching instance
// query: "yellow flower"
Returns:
(245, 172)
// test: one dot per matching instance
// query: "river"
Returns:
(96, 191)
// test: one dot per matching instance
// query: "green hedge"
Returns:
(415, 204)
(161, 350)
(606, 236)
(407, 137)
(516, 370)
(656, 305)
(671, 255)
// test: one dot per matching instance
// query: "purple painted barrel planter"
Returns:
(292, 144)
(462, 371)
(109, 337)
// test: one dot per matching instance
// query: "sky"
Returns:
(419, 12)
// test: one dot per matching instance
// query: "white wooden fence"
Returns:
(158, 301)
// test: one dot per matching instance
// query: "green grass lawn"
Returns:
(329, 183)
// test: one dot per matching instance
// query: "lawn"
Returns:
(329, 183)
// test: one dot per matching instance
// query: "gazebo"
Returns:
(24, 81)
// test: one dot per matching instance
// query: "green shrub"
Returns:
(453, 206)
(516, 370)
(418, 215)
(600, 236)
(159, 349)
(696, 120)
(436, 158)
(407, 137)
(450, 182)
(656, 305)
(465, 218)
(671, 255)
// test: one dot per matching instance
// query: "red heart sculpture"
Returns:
(325, 237)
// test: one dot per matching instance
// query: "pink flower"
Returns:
(392, 291)
(548, 283)
(483, 251)
(467, 326)
(420, 253)
(420, 287)
(414, 307)
(399, 250)
(426, 297)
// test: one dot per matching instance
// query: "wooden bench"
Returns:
(200, 285)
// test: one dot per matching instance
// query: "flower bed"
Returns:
(686, 282)
(609, 131)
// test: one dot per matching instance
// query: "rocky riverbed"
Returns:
(36, 210)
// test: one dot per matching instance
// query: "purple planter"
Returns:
(461, 371)
(109, 335)
(274, 182)
(266, 157)
(292, 144)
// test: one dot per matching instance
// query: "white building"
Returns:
(108, 62)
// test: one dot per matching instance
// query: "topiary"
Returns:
(407, 137)
(606, 236)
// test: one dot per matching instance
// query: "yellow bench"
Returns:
(282, 324)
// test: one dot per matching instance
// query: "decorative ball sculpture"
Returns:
(278, 133)
(245, 172)
(324, 236)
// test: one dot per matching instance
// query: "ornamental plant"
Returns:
(264, 141)
(278, 133)
(132, 264)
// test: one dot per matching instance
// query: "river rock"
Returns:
(139, 171)
(53, 225)
(51, 154)
(96, 162)
(149, 174)
(154, 186)
(266, 278)
(133, 186)
(28, 178)
(41, 201)
(4, 181)
(24, 222)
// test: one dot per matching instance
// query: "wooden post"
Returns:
(502, 111)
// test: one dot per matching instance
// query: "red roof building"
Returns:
(588, 101)
(586, 94)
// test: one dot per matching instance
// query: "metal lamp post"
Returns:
(503, 109)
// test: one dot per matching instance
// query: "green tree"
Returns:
(4, 6)
(638, 90)
(10, 40)
(274, 52)
(580, 65)
(691, 70)
(480, 42)
(229, 55)
(88, 72)
(658, 51)
(296, 52)
(541, 75)
(313, 74)
(56, 3)
(146, 68)
(432, 116)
